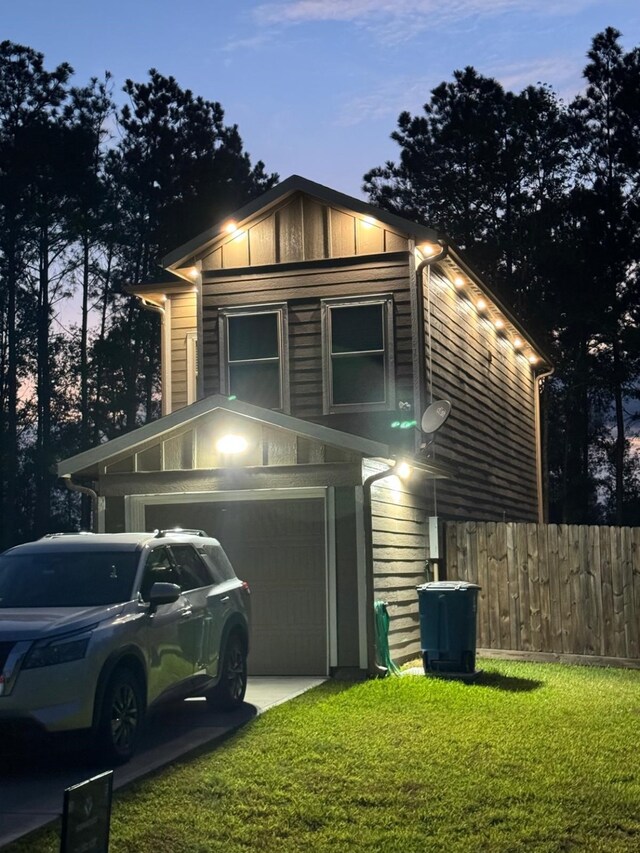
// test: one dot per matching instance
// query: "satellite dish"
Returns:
(435, 415)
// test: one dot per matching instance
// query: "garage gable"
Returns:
(188, 440)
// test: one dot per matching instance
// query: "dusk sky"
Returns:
(316, 86)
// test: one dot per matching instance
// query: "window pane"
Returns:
(357, 328)
(256, 383)
(358, 379)
(192, 571)
(67, 579)
(253, 336)
(158, 568)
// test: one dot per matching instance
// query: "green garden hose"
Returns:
(382, 638)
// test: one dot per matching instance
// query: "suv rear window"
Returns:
(67, 578)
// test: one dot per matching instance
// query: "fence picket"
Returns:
(564, 590)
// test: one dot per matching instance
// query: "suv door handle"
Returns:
(226, 598)
(186, 612)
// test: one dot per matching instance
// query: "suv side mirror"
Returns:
(163, 593)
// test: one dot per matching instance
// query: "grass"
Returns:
(537, 757)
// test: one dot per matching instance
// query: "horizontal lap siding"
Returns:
(183, 321)
(303, 289)
(490, 435)
(400, 548)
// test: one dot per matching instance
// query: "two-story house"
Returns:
(302, 340)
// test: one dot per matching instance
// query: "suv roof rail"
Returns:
(191, 531)
(68, 533)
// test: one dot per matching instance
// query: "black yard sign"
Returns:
(86, 815)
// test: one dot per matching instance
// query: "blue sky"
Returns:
(316, 86)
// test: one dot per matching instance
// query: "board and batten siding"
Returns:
(400, 531)
(301, 229)
(303, 288)
(183, 324)
(491, 433)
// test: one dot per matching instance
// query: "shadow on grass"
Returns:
(509, 683)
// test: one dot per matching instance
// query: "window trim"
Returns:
(280, 310)
(327, 305)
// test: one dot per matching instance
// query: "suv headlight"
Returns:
(58, 650)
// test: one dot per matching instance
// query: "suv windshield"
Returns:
(67, 578)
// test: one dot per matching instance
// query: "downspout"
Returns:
(538, 438)
(444, 249)
(373, 669)
(84, 490)
(165, 356)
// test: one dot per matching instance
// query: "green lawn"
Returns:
(538, 757)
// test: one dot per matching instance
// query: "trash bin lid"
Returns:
(452, 586)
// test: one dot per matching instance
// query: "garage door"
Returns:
(278, 546)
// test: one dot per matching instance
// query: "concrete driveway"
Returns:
(33, 776)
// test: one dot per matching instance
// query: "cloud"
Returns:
(563, 73)
(248, 43)
(400, 20)
(387, 100)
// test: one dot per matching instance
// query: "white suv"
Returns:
(95, 629)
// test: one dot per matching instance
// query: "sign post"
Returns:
(86, 815)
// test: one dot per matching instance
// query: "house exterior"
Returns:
(302, 339)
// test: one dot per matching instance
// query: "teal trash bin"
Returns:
(448, 626)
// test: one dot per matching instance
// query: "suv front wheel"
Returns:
(228, 694)
(121, 717)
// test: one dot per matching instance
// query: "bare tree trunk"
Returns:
(620, 445)
(85, 501)
(43, 437)
(101, 338)
(10, 448)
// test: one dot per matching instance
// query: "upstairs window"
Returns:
(253, 357)
(358, 351)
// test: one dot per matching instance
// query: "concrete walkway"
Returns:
(33, 776)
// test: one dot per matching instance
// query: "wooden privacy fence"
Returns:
(551, 588)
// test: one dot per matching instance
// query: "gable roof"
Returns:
(276, 194)
(181, 417)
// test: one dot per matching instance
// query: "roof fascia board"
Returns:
(181, 417)
(157, 287)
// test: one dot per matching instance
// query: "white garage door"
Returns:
(278, 546)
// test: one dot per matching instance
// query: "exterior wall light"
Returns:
(368, 221)
(533, 359)
(193, 273)
(517, 343)
(403, 470)
(427, 249)
(499, 324)
(458, 281)
(481, 305)
(231, 444)
(231, 227)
